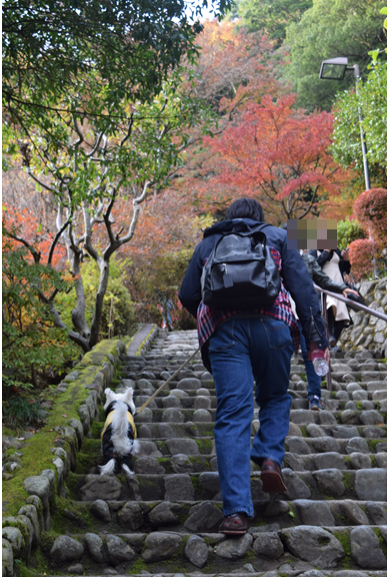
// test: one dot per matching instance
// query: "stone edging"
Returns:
(74, 410)
(146, 344)
(142, 340)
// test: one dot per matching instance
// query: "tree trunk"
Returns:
(78, 314)
(103, 282)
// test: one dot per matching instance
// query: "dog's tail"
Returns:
(121, 443)
(109, 468)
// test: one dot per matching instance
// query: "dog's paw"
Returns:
(136, 448)
(126, 469)
(109, 468)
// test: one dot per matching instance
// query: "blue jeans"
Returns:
(314, 381)
(241, 350)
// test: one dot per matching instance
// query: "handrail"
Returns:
(350, 302)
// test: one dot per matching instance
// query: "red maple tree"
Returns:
(22, 226)
(370, 208)
(234, 69)
(280, 155)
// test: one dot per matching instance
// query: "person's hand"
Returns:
(329, 251)
(348, 291)
(345, 255)
(327, 355)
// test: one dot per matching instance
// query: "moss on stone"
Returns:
(46, 541)
(80, 519)
(195, 482)
(72, 485)
(95, 429)
(91, 446)
(143, 344)
(204, 445)
(372, 444)
(343, 538)
(381, 541)
(33, 463)
(137, 566)
(36, 453)
(349, 481)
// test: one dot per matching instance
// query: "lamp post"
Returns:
(335, 69)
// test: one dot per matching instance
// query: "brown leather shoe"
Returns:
(271, 477)
(235, 524)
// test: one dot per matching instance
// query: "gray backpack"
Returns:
(240, 273)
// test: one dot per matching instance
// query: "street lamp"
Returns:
(335, 69)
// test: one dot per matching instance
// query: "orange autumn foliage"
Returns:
(370, 208)
(23, 223)
(362, 254)
(234, 67)
(280, 155)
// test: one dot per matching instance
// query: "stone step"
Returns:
(363, 484)
(156, 462)
(304, 440)
(154, 363)
(203, 517)
(155, 414)
(292, 551)
(190, 386)
(156, 379)
(205, 399)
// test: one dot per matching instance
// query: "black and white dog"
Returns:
(119, 435)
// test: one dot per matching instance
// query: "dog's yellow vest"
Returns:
(109, 419)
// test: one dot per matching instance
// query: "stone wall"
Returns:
(368, 332)
(29, 492)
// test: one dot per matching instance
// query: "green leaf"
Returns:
(374, 54)
(383, 10)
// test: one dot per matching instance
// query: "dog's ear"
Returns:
(128, 395)
(109, 396)
(129, 399)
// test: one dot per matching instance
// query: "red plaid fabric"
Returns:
(208, 318)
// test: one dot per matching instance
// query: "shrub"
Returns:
(19, 411)
(370, 208)
(155, 286)
(348, 231)
(32, 344)
(362, 254)
(118, 315)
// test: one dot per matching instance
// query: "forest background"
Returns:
(130, 127)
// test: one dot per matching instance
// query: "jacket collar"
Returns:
(237, 224)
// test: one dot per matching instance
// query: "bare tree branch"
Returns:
(87, 235)
(96, 146)
(129, 131)
(77, 130)
(41, 183)
(35, 253)
(136, 210)
(74, 336)
(60, 231)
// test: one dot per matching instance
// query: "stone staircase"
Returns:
(164, 519)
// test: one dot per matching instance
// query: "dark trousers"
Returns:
(334, 326)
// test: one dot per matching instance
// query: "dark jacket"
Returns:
(319, 277)
(294, 274)
(344, 265)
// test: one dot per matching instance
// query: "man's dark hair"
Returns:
(245, 207)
